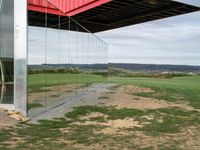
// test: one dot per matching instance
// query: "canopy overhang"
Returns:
(102, 15)
(64, 7)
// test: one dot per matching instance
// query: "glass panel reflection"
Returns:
(6, 51)
(6, 96)
(36, 70)
(62, 64)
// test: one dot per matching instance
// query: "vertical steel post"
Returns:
(20, 56)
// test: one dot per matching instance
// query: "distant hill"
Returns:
(155, 67)
(81, 66)
(127, 66)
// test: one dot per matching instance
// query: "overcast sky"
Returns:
(174, 40)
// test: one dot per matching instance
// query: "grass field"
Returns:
(185, 88)
(37, 81)
(155, 129)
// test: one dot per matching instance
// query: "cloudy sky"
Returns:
(175, 40)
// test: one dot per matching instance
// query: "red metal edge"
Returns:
(44, 10)
(87, 7)
(72, 13)
(72, 4)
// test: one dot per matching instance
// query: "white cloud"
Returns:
(172, 41)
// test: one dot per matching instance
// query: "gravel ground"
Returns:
(86, 96)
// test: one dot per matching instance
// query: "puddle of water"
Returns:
(6, 94)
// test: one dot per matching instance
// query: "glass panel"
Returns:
(52, 67)
(6, 51)
(70, 59)
(36, 70)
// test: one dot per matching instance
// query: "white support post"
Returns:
(20, 56)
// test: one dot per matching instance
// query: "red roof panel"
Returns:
(64, 7)
(69, 5)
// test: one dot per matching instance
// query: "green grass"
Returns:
(103, 97)
(48, 134)
(34, 105)
(175, 89)
(37, 81)
(172, 122)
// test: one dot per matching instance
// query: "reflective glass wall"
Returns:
(62, 63)
(6, 51)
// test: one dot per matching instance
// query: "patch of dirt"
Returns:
(14, 142)
(124, 97)
(93, 115)
(150, 117)
(16, 115)
(114, 126)
(133, 89)
(64, 130)
(125, 123)
(52, 92)
(186, 139)
(5, 120)
(86, 147)
(111, 126)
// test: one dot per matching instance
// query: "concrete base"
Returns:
(7, 106)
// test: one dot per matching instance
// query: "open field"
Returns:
(175, 89)
(37, 81)
(178, 88)
(137, 113)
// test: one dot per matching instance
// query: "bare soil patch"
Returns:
(14, 142)
(93, 115)
(5, 120)
(115, 126)
(189, 138)
(111, 126)
(52, 92)
(127, 132)
(186, 139)
(124, 97)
